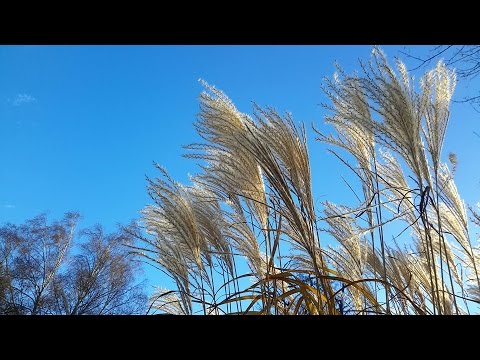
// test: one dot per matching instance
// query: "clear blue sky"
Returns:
(81, 125)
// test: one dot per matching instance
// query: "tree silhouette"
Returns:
(42, 271)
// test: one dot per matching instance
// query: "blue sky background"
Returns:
(81, 125)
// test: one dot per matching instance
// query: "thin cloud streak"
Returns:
(22, 99)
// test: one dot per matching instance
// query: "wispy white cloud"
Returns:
(22, 99)
(9, 206)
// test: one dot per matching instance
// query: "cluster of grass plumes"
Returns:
(252, 205)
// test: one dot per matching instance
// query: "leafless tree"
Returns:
(43, 272)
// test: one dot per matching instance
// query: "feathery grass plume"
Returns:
(397, 189)
(453, 217)
(288, 145)
(449, 194)
(243, 239)
(471, 262)
(173, 218)
(415, 275)
(442, 83)
(379, 91)
(430, 273)
(168, 302)
(474, 293)
(253, 202)
(386, 102)
(344, 272)
(231, 167)
(240, 152)
(349, 260)
(399, 126)
(453, 225)
(353, 124)
(399, 197)
(354, 129)
(346, 232)
(281, 151)
(351, 118)
(171, 258)
(211, 224)
(182, 248)
(400, 109)
(403, 274)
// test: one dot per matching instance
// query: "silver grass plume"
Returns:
(351, 118)
(401, 111)
(231, 169)
(168, 302)
(243, 239)
(441, 82)
(172, 219)
(350, 260)
(281, 151)
(211, 224)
